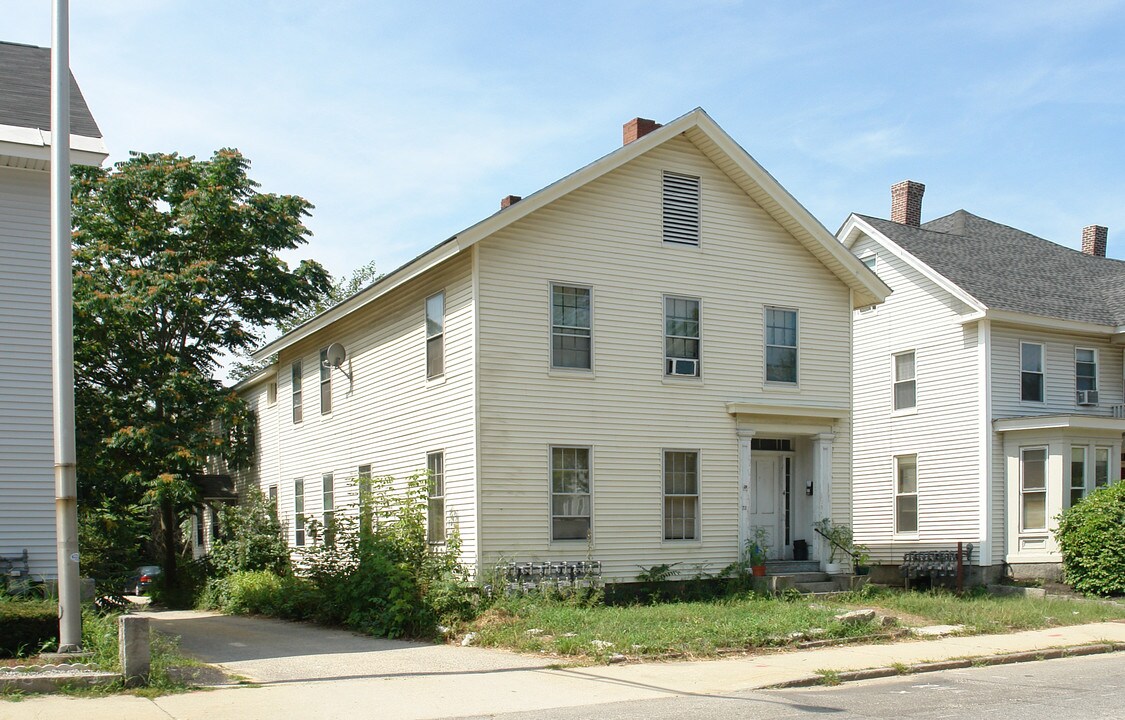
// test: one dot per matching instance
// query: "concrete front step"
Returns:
(791, 567)
(817, 587)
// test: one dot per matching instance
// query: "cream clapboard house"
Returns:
(988, 387)
(637, 364)
(27, 480)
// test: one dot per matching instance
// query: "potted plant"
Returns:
(839, 538)
(757, 549)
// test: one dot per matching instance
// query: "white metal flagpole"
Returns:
(62, 337)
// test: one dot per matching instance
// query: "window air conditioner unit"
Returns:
(1087, 397)
(681, 366)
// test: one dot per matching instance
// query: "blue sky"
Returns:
(407, 122)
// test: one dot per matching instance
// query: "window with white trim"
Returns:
(1031, 372)
(1077, 474)
(681, 494)
(680, 209)
(571, 326)
(1101, 467)
(325, 383)
(435, 512)
(328, 507)
(906, 494)
(299, 513)
(781, 345)
(435, 335)
(1085, 369)
(571, 504)
(905, 390)
(682, 337)
(1033, 488)
(870, 261)
(273, 502)
(271, 393)
(363, 482)
(295, 374)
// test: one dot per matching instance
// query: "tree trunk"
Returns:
(168, 529)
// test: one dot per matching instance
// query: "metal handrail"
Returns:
(853, 555)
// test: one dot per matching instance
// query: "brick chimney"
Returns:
(906, 202)
(637, 128)
(1093, 239)
(509, 200)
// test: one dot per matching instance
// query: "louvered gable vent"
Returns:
(681, 209)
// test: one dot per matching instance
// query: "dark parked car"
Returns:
(142, 577)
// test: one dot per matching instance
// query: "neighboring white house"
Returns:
(988, 387)
(27, 481)
(637, 364)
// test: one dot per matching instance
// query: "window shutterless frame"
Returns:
(325, 383)
(1032, 382)
(905, 372)
(295, 374)
(683, 336)
(680, 482)
(906, 494)
(572, 326)
(299, 513)
(435, 502)
(1077, 473)
(1085, 369)
(1033, 488)
(570, 489)
(435, 335)
(782, 342)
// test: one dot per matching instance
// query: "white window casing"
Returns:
(572, 324)
(571, 497)
(1033, 488)
(683, 340)
(681, 494)
(299, 513)
(906, 494)
(325, 383)
(435, 497)
(296, 374)
(781, 345)
(905, 381)
(1031, 372)
(435, 335)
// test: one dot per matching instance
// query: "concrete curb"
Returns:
(957, 664)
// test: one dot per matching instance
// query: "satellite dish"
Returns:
(336, 355)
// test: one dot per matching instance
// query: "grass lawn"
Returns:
(748, 623)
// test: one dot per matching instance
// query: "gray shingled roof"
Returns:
(1008, 269)
(25, 91)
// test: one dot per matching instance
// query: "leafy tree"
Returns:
(251, 538)
(175, 262)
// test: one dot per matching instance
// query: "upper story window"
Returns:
(325, 383)
(571, 325)
(570, 493)
(870, 261)
(296, 375)
(1031, 372)
(681, 494)
(905, 390)
(781, 345)
(681, 208)
(435, 520)
(906, 494)
(271, 393)
(1086, 375)
(435, 335)
(681, 337)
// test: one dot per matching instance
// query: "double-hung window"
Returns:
(435, 522)
(571, 324)
(1033, 488)
(681, 337)
(299, 513)
(328, 496)
(325, 383)
(680, 212)
(681, 494)
(570, 493)
(1086, 375)
(296, 375)
(273, 502)
(905, 390)
(781, 345)
(435, 335)
(1077, 474)
(1101, 467)
(1031, 372)
(906, 494)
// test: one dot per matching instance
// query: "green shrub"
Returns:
(262, 592)
(1092, 542)
(251, 538)
(26, 626)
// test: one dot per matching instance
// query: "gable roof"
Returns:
(1010, 270)
(25, 86)
(25, 112)
(698, 127)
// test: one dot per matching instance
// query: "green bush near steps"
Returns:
(1092, 542)
(26, 626)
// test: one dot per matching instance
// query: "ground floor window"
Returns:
(681, 494)
(299, 513)
(570, 493)
(435, 520)
(1033, 488)
(906, 494)
(1077, 474)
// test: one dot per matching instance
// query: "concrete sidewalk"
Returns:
(523, 684)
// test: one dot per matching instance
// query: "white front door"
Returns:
(770, 477)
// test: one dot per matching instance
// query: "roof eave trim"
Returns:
(1051, 323)
(854, 226)
(1059, 422)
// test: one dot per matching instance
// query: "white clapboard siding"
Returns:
(607, 235)
(944, 430)
(389, 415)
(27, 485)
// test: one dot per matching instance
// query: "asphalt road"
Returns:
(1091, 688)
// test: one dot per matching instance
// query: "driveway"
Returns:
(276, 651)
